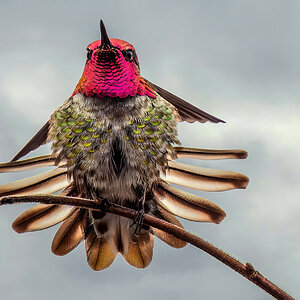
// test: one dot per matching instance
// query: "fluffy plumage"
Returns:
(115, 138)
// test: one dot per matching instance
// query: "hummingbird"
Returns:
(116, 138)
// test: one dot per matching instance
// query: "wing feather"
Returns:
(187, 111)
(36, 141)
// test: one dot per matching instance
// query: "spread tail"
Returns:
(105, 234)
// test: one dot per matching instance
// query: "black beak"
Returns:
(105, 42)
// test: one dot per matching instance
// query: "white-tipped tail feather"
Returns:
(186, 205)
(27, 164)
(40, 217)
(204, 179)
(45, 183)
(209, 154)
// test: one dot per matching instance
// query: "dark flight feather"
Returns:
(39, 139)
(187, 111)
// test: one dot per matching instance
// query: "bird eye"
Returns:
(128, 55)
(89, 53)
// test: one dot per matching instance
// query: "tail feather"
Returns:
(204, 179)
(40, 217)
(196, 153)
(186, 205)
(117, 235)
(43, 216)
(98, 252)
(45, 183)
(27, 164)
(140, 250)
(70, 233)
(162, 235)
(106, 234)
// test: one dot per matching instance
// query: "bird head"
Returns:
(112, 70)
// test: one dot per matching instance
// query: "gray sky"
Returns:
(238, 60)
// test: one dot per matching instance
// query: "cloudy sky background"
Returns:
(238, 60)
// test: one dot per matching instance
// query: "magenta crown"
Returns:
(112, 70)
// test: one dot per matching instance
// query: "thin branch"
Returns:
(245, 270)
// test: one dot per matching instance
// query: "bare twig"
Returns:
(245, 270)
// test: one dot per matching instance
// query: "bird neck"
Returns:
(97, 87)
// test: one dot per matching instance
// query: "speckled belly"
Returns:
(114, 148)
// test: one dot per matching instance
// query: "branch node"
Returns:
(252, 273)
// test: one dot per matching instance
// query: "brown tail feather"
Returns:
(70, 233)
(40, 217)
(27, 164)
(43, 216)
(204, 179)
(44, 183)
(165, 237)
(117, 235)
(140, 250)
(195, 153)
(186, 205)
(98, 252)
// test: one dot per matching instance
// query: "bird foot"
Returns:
(138, 221)
(103, 204)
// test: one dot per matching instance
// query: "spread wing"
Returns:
(39, 139)
(187, 111)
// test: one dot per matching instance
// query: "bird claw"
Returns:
(104, 204)
(138, 221)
